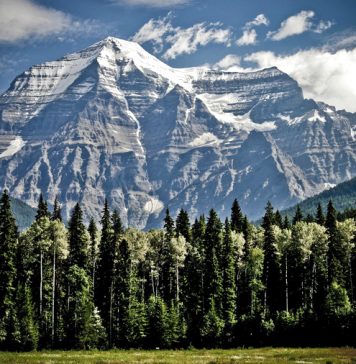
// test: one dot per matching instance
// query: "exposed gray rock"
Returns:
(113, 121)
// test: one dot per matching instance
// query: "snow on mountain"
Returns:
(112, 121)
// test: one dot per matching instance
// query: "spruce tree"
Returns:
(93, 234)
(286, 224)
(167, 265)
(213, 272)
(104, 285)
(320, 218)
(229, 284)
(278, 219)
(335, 252)
(117, 225)
(298, 215)
(271, 267)
(8, 248)
(183, 225)
(193, 283)
(78, 239)
(42, 209)
(57, 211)
(237, 218)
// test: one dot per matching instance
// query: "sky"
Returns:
(314, 41)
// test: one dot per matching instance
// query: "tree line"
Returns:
(203, 284)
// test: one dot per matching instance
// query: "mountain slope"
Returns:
(112, 121)
(24, 214)
(343, 197)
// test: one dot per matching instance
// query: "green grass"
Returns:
(264, 355)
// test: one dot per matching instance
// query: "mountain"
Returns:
(24, 214)
(343, 197)
(114, 121)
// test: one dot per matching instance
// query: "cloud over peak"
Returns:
(161, 32)
(298, 24)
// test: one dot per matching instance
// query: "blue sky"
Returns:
(314, 41)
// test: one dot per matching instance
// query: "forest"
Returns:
(205, 283)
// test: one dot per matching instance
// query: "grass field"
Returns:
(264, 355)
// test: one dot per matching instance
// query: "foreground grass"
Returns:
(264, 355)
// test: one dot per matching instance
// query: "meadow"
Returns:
(261, 355)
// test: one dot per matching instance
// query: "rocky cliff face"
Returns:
(113, 121)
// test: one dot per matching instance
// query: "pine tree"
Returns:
(104, 285)
(93, 234)
(8, 247)
(42, 209)
(213, 273)
(57, 211)
(193, 282)
(320, 218)
(271, 268)
(336, 262)
(117, 225)
(278, 219)
(237, 217)
(167, 267)
(183, 225)
(27, 326)
(229, 284)
(286, 224)
(78, 239)
(298, 215)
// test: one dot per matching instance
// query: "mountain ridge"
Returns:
(112, 121)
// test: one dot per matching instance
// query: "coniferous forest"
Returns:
(206, 283)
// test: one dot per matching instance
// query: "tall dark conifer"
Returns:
(104, 285)
(271, 267)
(8, 248)
(229, 284)
(237, 217)
(57, 211)
(42, 208)
(320, 218)
(183, 225)
(298, 215)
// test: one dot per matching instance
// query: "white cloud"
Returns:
(153, 3)
(323, 75)
(322, 26)
(187, 41)
(161, 32)
(295, 24)
(249, 37)
(154, 31)
(24, 19)
(230, 63)
(260, 19)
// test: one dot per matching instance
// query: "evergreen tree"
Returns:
(335, 254)
(286, 224)
(298, 215)
(26, 318)
(271, 268)
(57, 211)
(278, 219)
(78, 239)
(93, 234)
(320, 218)
(183, 225)
(8, 247)
(193, 283)
(229, 286)
(167, 265)
(213, 274)
(117, 225)
(237, 218)
(42, 209)
(104, 285)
